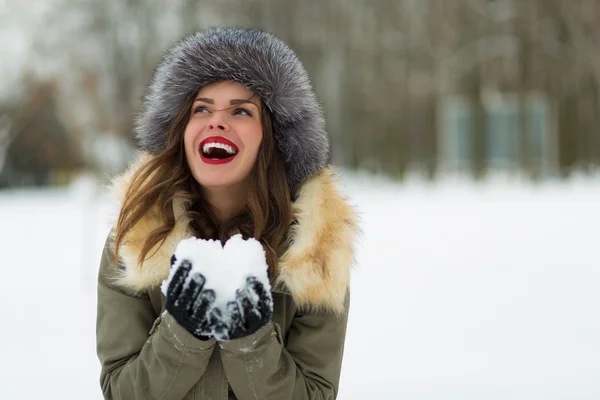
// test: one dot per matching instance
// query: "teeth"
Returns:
(206, 148)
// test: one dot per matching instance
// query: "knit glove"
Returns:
(249, 311)
(186, 298)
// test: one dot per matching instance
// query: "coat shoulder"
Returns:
(317, 264)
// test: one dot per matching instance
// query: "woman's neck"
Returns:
(225, 202)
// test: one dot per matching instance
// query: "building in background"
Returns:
(503, 149)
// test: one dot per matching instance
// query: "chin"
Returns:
(219, 177)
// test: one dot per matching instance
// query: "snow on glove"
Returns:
(186, 297)
(243, 303)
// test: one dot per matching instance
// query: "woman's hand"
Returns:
(187, 301)
(248, 312)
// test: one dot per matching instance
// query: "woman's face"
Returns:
(223, 134)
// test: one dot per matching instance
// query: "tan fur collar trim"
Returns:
(315, 268)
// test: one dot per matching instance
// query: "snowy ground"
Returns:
(461, 292)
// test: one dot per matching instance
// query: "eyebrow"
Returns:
(205, 99)
(233, 102)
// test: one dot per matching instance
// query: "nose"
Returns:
(217, 123)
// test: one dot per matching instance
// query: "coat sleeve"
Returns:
(141, 359)
(308, 366)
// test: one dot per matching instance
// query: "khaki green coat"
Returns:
(145, 354)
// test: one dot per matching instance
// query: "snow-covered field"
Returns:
(461, 292)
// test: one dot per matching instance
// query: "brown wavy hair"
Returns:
(166, 176)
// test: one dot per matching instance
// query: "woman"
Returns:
(234, 154)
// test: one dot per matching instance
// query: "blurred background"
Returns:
(466, 133)
(428, 86)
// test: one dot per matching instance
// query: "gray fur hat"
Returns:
(266, 66)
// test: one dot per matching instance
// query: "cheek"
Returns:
(254, 138)
(188, 141)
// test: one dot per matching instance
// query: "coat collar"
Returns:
(314, 267)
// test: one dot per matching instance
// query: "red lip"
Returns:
(217, 139)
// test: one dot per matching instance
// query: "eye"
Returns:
(200, 109)
(242, 111)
